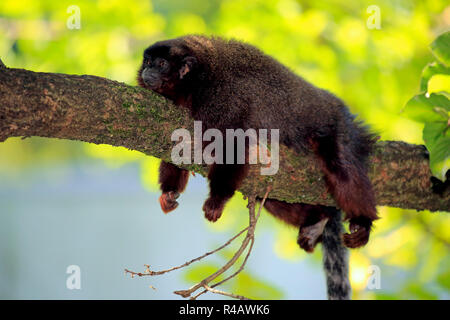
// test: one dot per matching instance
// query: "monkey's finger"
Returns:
(306, 244)
(172, 195)
(167, 205)
(213, 214)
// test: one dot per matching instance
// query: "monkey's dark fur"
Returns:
(228, 84)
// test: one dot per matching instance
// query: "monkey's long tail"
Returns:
(335, 259)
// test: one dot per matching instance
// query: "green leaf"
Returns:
(441, 48)
(440, 157)
(437, 141)
(428, 109)
(429, 71)
(439, 83)
(432, 131)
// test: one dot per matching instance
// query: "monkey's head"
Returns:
(167, 67)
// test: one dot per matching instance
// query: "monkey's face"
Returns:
(155, 72)
(164, 68)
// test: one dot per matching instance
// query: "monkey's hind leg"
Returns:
(311, 220)
(309, 236)
(173, 181)
(347, 181)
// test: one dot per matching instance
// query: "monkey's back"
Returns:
(245, 88)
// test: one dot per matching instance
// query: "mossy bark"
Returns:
(98, 110)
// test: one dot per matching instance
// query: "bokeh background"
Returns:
(70, 203)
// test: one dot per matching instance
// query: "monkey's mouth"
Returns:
(152, 83)
(151, 80)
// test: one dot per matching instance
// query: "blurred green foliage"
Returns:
(376, 71)
(245, 283)
(432, 106)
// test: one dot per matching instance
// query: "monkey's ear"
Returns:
(187, 66)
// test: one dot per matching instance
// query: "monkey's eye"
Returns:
(163, 63)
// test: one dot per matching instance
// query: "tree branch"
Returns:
(98, 110)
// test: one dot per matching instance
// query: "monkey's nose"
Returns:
(149, 77)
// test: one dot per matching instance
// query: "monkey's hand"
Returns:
(168, 201)
(359, 233)
(213, 208)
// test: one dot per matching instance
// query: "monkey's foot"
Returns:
(213, 208)
(309, 236)
(168, 201)
(358, 236)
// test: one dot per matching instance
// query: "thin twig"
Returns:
(246, 257)
(235, 296)
(157, 273)
(231, 276)
(248, 240)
